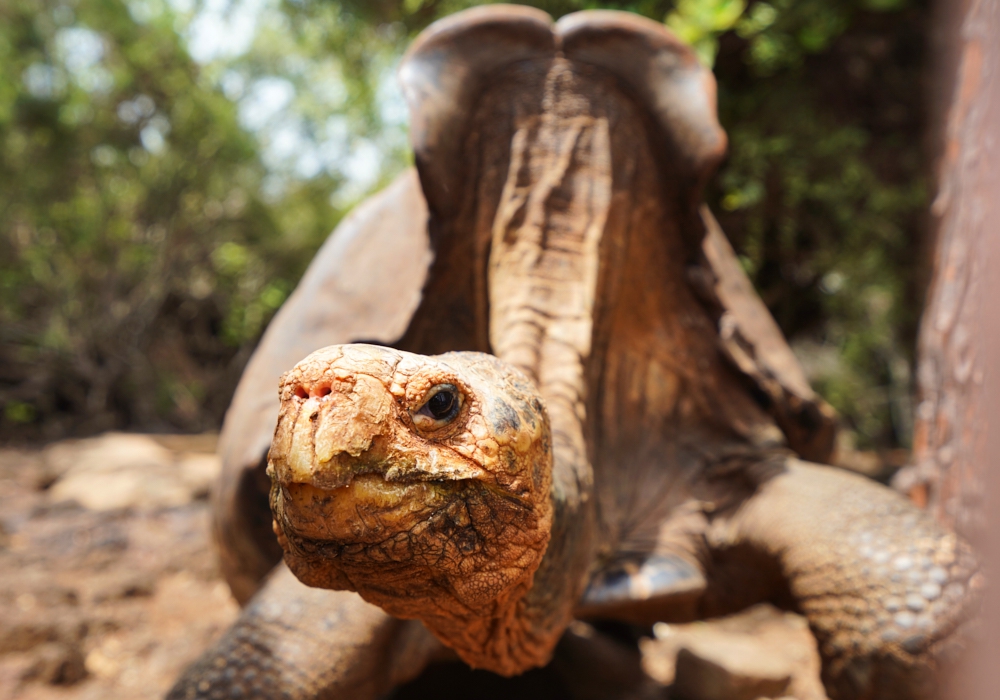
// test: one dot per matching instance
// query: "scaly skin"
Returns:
(886, 590)
(301, 643)
(444, 521)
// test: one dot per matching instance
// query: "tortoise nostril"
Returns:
(320, 391)
(312, 391)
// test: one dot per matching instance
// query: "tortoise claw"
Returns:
(662, 586)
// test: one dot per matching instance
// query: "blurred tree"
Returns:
(136, 255)
(824, 191)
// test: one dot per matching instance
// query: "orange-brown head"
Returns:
(422, 483)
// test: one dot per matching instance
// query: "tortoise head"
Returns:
(420, 482)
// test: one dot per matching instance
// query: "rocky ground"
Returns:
(108, 584)
(109, 588)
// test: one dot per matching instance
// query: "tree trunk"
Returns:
(947, 477)
(958, 380)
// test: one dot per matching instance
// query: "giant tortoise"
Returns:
(564, 401)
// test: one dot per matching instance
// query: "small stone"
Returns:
(57, 664)
(915, 602)
(117, 471)
(729, 669)
(944, 558)
(199, 472)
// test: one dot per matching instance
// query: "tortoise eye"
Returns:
(440, 408)
(441, 403)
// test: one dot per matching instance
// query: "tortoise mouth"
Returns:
(368, 508)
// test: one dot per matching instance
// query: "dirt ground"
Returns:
(109, 588)
(115, 599)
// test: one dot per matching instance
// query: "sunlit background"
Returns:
(167, 170)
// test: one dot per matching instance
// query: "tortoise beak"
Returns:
(329, 431)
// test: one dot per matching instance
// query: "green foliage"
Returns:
(824, 191)
(699, 22)
(136, 254)
(417, 14)
(339, 73)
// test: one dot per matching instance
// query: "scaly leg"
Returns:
(885, 589)
(298, 643)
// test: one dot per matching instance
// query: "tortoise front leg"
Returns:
(298, 643)
(885, 589)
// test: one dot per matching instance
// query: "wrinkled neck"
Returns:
(543, 270)
(542, 280)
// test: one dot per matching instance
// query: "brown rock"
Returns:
(119, 470)
(199, 471)
(57, 663)
(22, 632)
(761, 652)
(729, 669)
(125, 585)
(134, 591)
